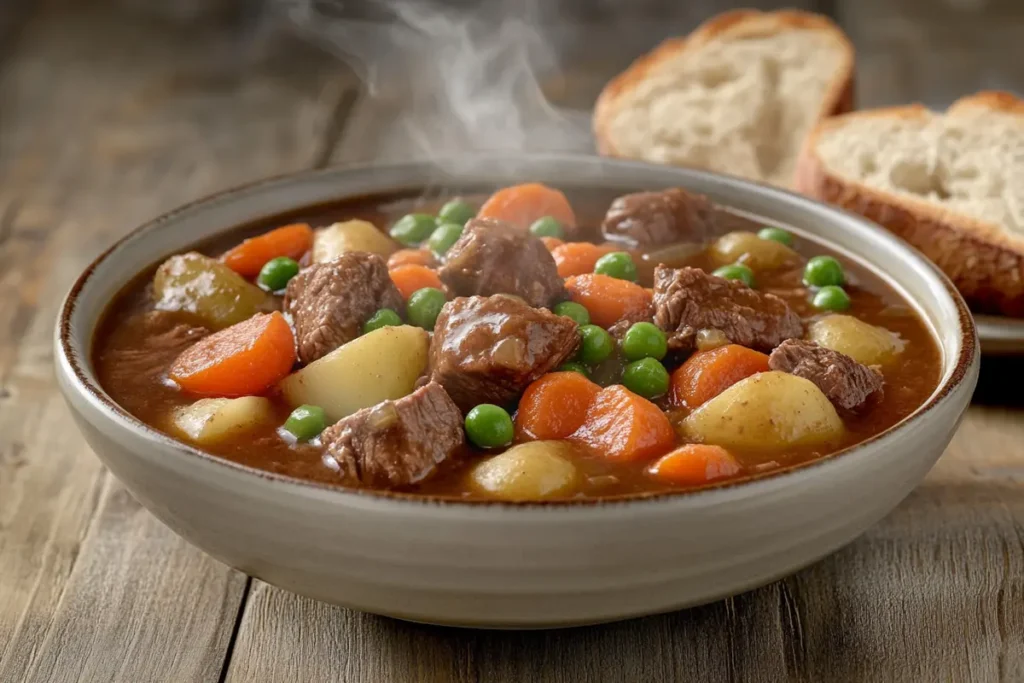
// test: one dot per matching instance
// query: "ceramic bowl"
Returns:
(501, 564)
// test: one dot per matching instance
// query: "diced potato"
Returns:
(204, 286)
(375, 367)
(765, 412)
(211, 420)
(861, 341)
(756, 253)
(529, 471)
(331, 242)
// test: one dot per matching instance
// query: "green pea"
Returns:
(617, 264)
(385, 317)
(489, 426)
(442, 239)
(571, 309)
(413, 228)
(456, 211)
(644, 340)
(595, 345)
(424, 306)
(831, 298)
(275, 273)
(574, 367)
(776, 235)
(736, 271)
(822, 271)
(306, 422)
(646, 377)
(547, 226)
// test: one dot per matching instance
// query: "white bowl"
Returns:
(502, 564)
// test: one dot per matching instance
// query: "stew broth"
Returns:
(152, 399)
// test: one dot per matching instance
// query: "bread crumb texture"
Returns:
(970, 161)
(741, 106)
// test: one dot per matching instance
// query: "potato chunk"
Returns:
(529, 471)
(375, 367)
(331, 242)
(766, 412)
(756, 253)
(861, 341)
(211, 420)
(204, 286)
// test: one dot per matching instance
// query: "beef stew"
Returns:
(601, 345)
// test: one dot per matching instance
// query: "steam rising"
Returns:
(458, 80)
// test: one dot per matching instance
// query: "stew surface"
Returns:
(658, 375)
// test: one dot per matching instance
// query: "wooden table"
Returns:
(108, 119)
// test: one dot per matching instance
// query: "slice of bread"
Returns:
(737, 96)
(950, 184)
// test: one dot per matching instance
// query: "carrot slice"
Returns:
(552, 243)
(578, 258)
(251, 255)
(412, 257)
(706, 374)
(244, 359)
(694, 464)
(521, 205)
(623, 426)
(554, 406)
(609, 299)
(411, 277)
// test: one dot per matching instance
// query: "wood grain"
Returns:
(108, 119)
(92, 587)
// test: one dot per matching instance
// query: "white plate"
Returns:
(1000, 335)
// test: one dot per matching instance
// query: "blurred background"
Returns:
(140, 83)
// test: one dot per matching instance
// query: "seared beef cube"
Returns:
(329, 302)
(144, 347)
(848, 384)
(492, 257)
(688, 299)
(488, 349)
(396, 443)
(648, 219)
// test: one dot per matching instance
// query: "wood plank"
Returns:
(107, 122)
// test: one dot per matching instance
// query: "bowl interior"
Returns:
(910, 273)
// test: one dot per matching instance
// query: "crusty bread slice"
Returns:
(951, 184)
(738, 95)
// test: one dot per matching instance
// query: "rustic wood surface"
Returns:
(109, 117)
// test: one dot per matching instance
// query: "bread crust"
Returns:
(839, 98)
(984, 261)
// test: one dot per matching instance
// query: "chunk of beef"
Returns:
(488, 349)
(142, 349)
(492, 257)
(647, 219)
(848, 384)
(329, 302)
(688, 299)
(397, 443)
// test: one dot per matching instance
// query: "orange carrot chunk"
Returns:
(251, 255)
(411, 277)
(552, 243)
(609, 299)
(521, 205)
(554, 406)
(694, 464)
(623, 426)
(578, 258)
(412, 257)
(244, 359)
(706, 374)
